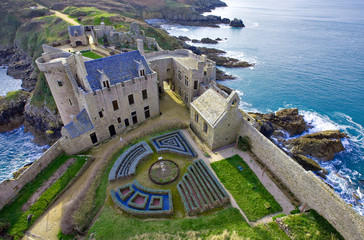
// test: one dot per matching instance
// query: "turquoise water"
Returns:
(16, 147)
(308, 54)
(8, 83)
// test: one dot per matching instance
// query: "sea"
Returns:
(308, 54)
(16, 147)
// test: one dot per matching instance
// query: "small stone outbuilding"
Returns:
(215, 117)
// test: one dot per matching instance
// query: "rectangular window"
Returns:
(115, 105)
(126, 122)
(101, 114)
(134, 117)
(196, 117)
(131, 99)
(179, 75)
(205, 127)
(104, 83)
(145, 94)
(142, 73)
(146, 112)
(179, 91)
(186, 81)
(93, 138)
(195, 85)
(60, 83)
(186, 97)
(119, 119)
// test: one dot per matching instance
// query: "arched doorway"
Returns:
(78, 43)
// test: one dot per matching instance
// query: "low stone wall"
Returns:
(10, 188)
(306, 186)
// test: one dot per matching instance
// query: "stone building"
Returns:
(188, 74)
(100, 98)
(77, 36)
(215, 116)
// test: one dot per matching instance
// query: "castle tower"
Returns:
(61, 80)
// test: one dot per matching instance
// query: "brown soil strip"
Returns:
(60, 171)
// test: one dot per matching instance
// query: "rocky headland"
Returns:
(286, 128)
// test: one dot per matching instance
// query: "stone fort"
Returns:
(98, 99)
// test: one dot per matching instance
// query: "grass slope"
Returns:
(12, 214)
(311, 226)
(91, 55)
(247, 190)
(228, 222)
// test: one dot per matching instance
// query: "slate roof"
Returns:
(79, 29)
(211, 106)
(80, 124)
(118, 68)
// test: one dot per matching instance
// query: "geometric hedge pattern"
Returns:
(173, 142)
(200, 190)
(138, 200)
(126, 164)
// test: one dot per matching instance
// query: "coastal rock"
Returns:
(238, 23)
(221, 75)
(208, 41)
(11, 110)
(237, 64)
(20, 66)
(287, 119)
(225, 21)
(184, 38)
(43, 123)
(322, 145)
(307, 163)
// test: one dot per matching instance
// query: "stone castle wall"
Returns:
(306, 186)
(10, 188)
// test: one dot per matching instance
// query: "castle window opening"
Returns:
(179, 91)
(119, 119)
(142, 72)
(205, 127)
(60, 83)
(115, 105)
(145, 94)
(146, 112)
(131, 99)
(106, 84)
(134, 117)
(101, 114)
(179, 75)
(195, 85)
(196, 117)
(70, 101)
(126, 122)
(93, 138)
(186, 97)
(186, 81)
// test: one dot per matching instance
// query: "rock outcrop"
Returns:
(238, 23)
(287, 119)
(43, 123)
(12, 110)
(20, 66)
(322, 145)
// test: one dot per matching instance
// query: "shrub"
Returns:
(244, 143)
(278, 216)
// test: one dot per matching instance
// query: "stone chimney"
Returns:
(140, 46)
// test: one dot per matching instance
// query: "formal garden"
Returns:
(155, 184)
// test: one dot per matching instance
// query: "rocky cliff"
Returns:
(43, 123)
(11, 110)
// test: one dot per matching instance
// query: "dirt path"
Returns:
(48, 226)
(65, 18)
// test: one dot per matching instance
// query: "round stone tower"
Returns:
(61, 80)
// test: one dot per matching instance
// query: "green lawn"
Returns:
(12, 214)
(91, 55)
(247, 190)
(311, 226)
(225, 223)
